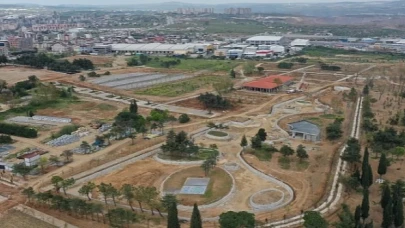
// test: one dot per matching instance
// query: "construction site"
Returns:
(276, 190)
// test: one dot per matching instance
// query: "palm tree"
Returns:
(127, 191)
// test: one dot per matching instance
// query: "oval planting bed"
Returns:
(192, 186)
(217, 135)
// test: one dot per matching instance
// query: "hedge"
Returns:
(18, 130)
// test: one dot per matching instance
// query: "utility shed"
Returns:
(305, 130)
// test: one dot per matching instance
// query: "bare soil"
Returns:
(17, 219)
(97, 60)
(267, 197)
(14, 74)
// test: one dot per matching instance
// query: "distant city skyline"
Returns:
(132, 2)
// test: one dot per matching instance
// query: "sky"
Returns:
(119, 2)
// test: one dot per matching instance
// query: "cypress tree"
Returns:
(369, 225)
(387, 215)
(243, 142)
(398, 207)
(365, 171)
(365, 205)
(385, 196)
(370, 175)
(382, 165)
(172, 218)
(357, 215)
(196, 218)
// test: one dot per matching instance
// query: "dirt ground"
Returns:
(13, 74)
(16, 219)
(220, 184)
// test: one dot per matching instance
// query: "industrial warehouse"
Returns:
(161, 49)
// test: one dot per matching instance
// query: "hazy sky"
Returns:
(115, 2)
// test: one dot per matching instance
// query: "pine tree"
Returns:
(172, 218)
(133, 107)
(385, 196)
(357, 215)
(365, 205)
(387, 215)
(196, 218)
(382, 165)
(243, 142)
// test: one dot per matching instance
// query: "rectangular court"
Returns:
(195, 186)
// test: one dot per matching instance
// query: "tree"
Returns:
(54, 159)
(85, 146)
(388, 217)
(334, 130)
(66, 183)
(167, 200)
(56, 182)
(172, 218)
(67, 154)
(366, 90)
(208, 164)
(365, 205)
(127, 191)
(301, 152)
(82, 78)
(352, 152)
(260, 69)
(133, 107)
(195, 218)
(357, 215)
(366, 172)
(232, 73)
(262, 134)
(314, 219)
(87, 189)
(233, 219)
(29, 193)
(382, 165)
(398, 193)
(346, 218)
(21, 169)
(139, 195)
(286, 150)
(113, 192)
(104, 190)
(398, 152)
(119, 216)
(256, 142)
(42, 163)
(183, 118)
(243, 142)
(385, 195)
(150, 195)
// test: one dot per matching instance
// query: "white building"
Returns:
(160, 49)
(300, 43)
(267, 40)
(59, 48)
(31, 159)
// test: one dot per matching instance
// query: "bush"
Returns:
(330, 67)
(66, 130)
(5, 139)
(183, 118)
(212, 101)
(93, 74)
(285, 65)
(334, 130)
(18, 130)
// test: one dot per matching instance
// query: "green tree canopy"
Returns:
(233, 219)
(314, 219)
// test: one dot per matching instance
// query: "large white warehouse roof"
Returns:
(265, 38)
(154, 47)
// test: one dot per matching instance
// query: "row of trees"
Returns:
(42, 60)
(334, 130)
(5, 139)
(18, 130)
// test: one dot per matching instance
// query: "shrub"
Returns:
(5, 139)
(285, 65)
(18, 130)
(66, 130)
(183, 118)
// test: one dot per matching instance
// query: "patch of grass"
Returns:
(217, 133)
(328, 116)
(173, 89)
(106, 107)
(284, 162)
(22, 111)
(66, 130)
(302, 165)
(195, 64)
(263, 155)
(315, 120)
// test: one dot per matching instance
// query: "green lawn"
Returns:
(173, 89)
(195, 64)
(217, 133)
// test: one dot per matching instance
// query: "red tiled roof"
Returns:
(30, 155)
(268, 82)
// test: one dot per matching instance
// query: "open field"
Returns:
(196, 64)
(13, 74)
(174, 89)
(220, 184)
(17, 219)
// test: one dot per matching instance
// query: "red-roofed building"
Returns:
(269, 84)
